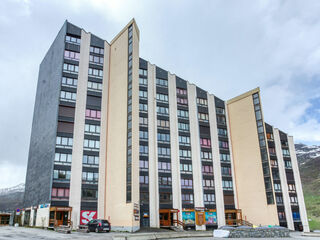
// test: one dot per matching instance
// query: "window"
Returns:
(143, 150)
(164, 166)
(163, 137)
(277, 187)
(202, 101)
(222, 132)
(60, 193)
(220, 110)
(185, 168)
(163, 151)
(63, 158)
(184, 153)
(165, 181)
(92, 144)
(187, 198)
(205, 142)
(281, 215)
(206, 169)
(92, 129)
(208, 184)
(183, 126)
(95, 86)
(163, 123)
(223, 144)
(296, 216)
(68, 96)
(71, 55)
(272, 151)
(70, 68)
(162, 82)
(285, 152)
(162, 110)
(184, 140)
(274, 163)
(143, 107)
(162, 97)
(90, 177)
(203, 117)
(70, 82)
(183, 101)
(206, 156)
(181, 91)
(143, 179)
(74, 40)
(143, 121)
(96, 59)
(143, 165)
(227, 185)
(256, 98)
(226, 171)
(279, 199)
(291, 187)
(64, 142)
(221, 120)
(284, 143)
(143, 72)
(89, 194)
(143, 81)
(90, 160)
(61, 175)
(183, 113)
(95, 72)
(293, 200)
(143, 94)
(93, 114)
(224, 157)
(288, 164)
(186, 183)
(208, 198)
(165, 198)
(143, 135)
(269, 136)
(96, 50)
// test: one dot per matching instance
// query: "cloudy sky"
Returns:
(225, 47)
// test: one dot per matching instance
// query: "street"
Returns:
(19, 233)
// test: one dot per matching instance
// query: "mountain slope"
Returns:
(309, 164)
(11, 198)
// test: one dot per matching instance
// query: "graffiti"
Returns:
(87, 216)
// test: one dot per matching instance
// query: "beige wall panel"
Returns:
(118, 210)
(78, 132)
(251, 195)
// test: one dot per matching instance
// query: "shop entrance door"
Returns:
(62, 218)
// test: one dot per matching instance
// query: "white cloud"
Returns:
(11, 174)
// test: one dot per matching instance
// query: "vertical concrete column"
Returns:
(195, 150)
(153, 150)
(174, 139)
(216, 161)
(283, 179)
(297, 179)
(103, 134)
(78, 130)
(233, 172)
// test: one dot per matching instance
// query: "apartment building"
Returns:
(119, 138)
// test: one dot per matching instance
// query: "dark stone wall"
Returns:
(44, 125)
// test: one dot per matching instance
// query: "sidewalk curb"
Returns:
(153, 236)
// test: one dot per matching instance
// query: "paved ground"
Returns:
(19, 233)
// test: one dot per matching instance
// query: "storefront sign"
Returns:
(211, 218)
(136, 212)
(87, 216)
(188, 217)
